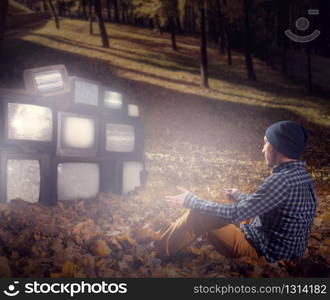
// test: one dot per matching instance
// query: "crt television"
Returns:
(114, 103)
(27, 122)
(25, 176)
(85, 94)
(77, 135)
(77, 179)
(121, 177)
(122, 138)
(47, 81)
(133, 111)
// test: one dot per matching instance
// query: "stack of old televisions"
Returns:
(67, 138)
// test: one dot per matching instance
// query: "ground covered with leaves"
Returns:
(111, 236)
(203, 140)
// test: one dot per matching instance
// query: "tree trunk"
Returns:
(194, 17)
(3, 17)
(104, 35)
(44, 4)
(282, 25)
(248, 48)
(186, 20)
(115, 6)
(270, 37)
(58, 7)
(178, 25)
(203, 47)
(108, 2)
(84, 12)
(52, 8)
(172, 28)
(222, 30)
(156, 25)
(222, 34)
(91, 16)
(122, 14)
(227, 31)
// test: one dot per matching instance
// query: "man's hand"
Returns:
(230, 192)
(177, 200)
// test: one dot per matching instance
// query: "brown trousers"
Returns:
(227, 238)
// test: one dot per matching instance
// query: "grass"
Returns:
(141, 55)
(17, 8)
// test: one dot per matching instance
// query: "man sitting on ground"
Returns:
(283, 207)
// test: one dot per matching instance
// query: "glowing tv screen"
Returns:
(120, 137)
(133, 110)
(77, 180)
(77, 134)
(113, 100)
(131, 176)
(121, 176)
(29, 122)
(23, 180)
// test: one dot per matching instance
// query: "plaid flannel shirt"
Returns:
(283, 208)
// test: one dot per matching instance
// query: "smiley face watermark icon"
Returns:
(303, 24)
(11, 289)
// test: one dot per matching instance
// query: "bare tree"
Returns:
(52, 8)
(203, 46)
(3, 16)
(248, 4)
(115, 6)
(104, 35)
(84, 11)
(108, 3)
(91, 16)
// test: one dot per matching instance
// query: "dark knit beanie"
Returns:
(288, 138)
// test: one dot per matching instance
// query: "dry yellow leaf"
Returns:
(69, 269)
(101, 248)
(56, 275)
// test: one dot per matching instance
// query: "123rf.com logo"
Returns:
(66, 288)
(12, 290)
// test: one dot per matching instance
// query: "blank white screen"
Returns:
(133, 110)
(78, 132)
(131, 175)
(29, 122)
(77, 180)
(120, 138)
(23, 180)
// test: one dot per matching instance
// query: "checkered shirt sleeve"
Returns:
(268, 196)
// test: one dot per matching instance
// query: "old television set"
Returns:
(77, 179)
(47, 81)
(25, 176)
(27, 122)
(122, 138)
(114, 103)
(133, 111)
(121, 177)
(85, 94)
(77, 135)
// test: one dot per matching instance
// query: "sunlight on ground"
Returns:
(145, 56)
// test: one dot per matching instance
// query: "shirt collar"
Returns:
(289, 165)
